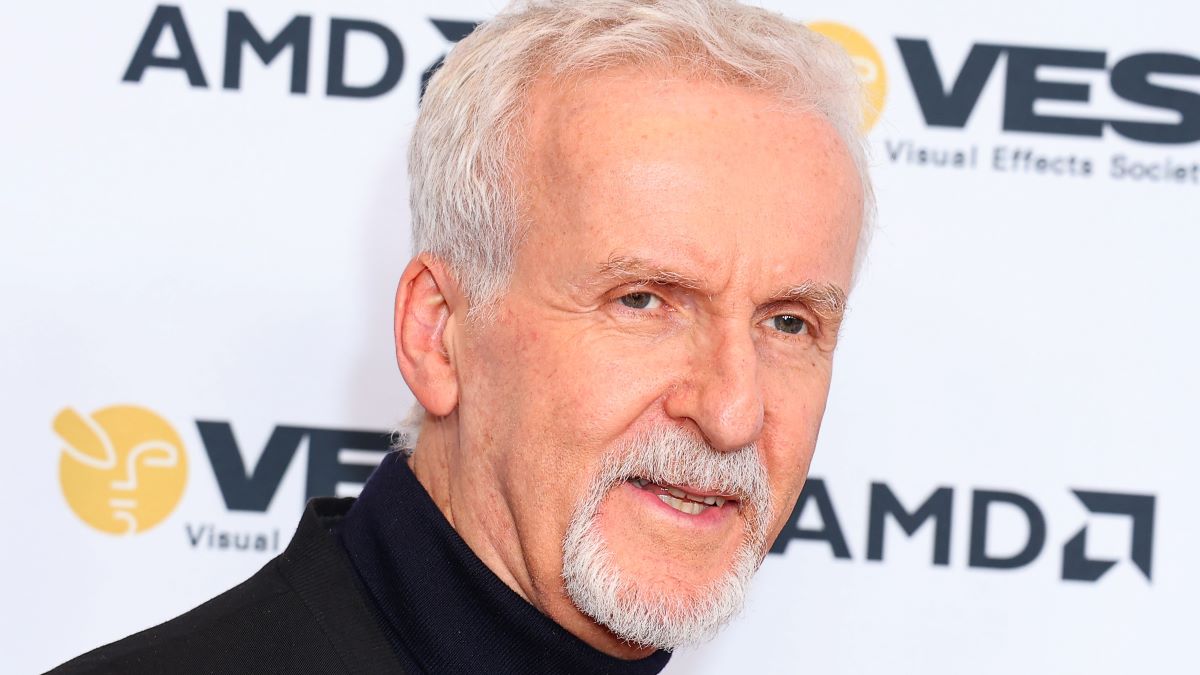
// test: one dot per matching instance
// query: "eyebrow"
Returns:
(626, 268)
(826, 299)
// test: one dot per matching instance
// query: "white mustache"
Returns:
(668, 455)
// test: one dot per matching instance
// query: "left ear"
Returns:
(428, 306)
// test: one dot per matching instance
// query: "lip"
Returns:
(698, 492)
(710, 517)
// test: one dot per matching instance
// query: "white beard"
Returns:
(635, 609)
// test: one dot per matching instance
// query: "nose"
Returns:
(720, 393)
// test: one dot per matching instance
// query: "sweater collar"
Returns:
(445, 609)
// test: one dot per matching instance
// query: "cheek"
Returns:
(794, 398)
(794, 404)
(594, 387)
(558, 394)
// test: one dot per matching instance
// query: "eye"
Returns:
(641, 300)
(789, 323)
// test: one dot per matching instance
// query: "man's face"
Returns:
(686, 250)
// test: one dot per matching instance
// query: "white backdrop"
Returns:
(227, 255)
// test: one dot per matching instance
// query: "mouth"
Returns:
(685, 499)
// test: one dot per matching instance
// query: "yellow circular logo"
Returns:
(122, 468)
(866, 60)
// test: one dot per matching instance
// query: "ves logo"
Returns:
(122, 468)
(867, 62)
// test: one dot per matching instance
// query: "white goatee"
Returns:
(634, 609)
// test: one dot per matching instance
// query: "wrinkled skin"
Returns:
(709, 198)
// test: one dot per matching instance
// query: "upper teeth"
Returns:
(684, 501)
(690, 508)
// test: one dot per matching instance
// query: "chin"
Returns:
(661, 548)
(673, 605)
(651, 611)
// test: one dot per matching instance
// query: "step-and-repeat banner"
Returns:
(204, 215)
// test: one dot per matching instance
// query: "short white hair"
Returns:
(466, 145)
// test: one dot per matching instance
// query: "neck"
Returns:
(474, 506)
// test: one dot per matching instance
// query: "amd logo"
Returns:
(295, 37)
(1132, 78)
(884, 505)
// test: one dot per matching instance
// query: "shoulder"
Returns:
(281, 620)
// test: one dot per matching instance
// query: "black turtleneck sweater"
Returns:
(444, 611)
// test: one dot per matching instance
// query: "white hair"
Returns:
(468, 137)
(643, 612)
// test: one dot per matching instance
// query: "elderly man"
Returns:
(635, 225)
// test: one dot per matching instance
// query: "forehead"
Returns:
(688, 168)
